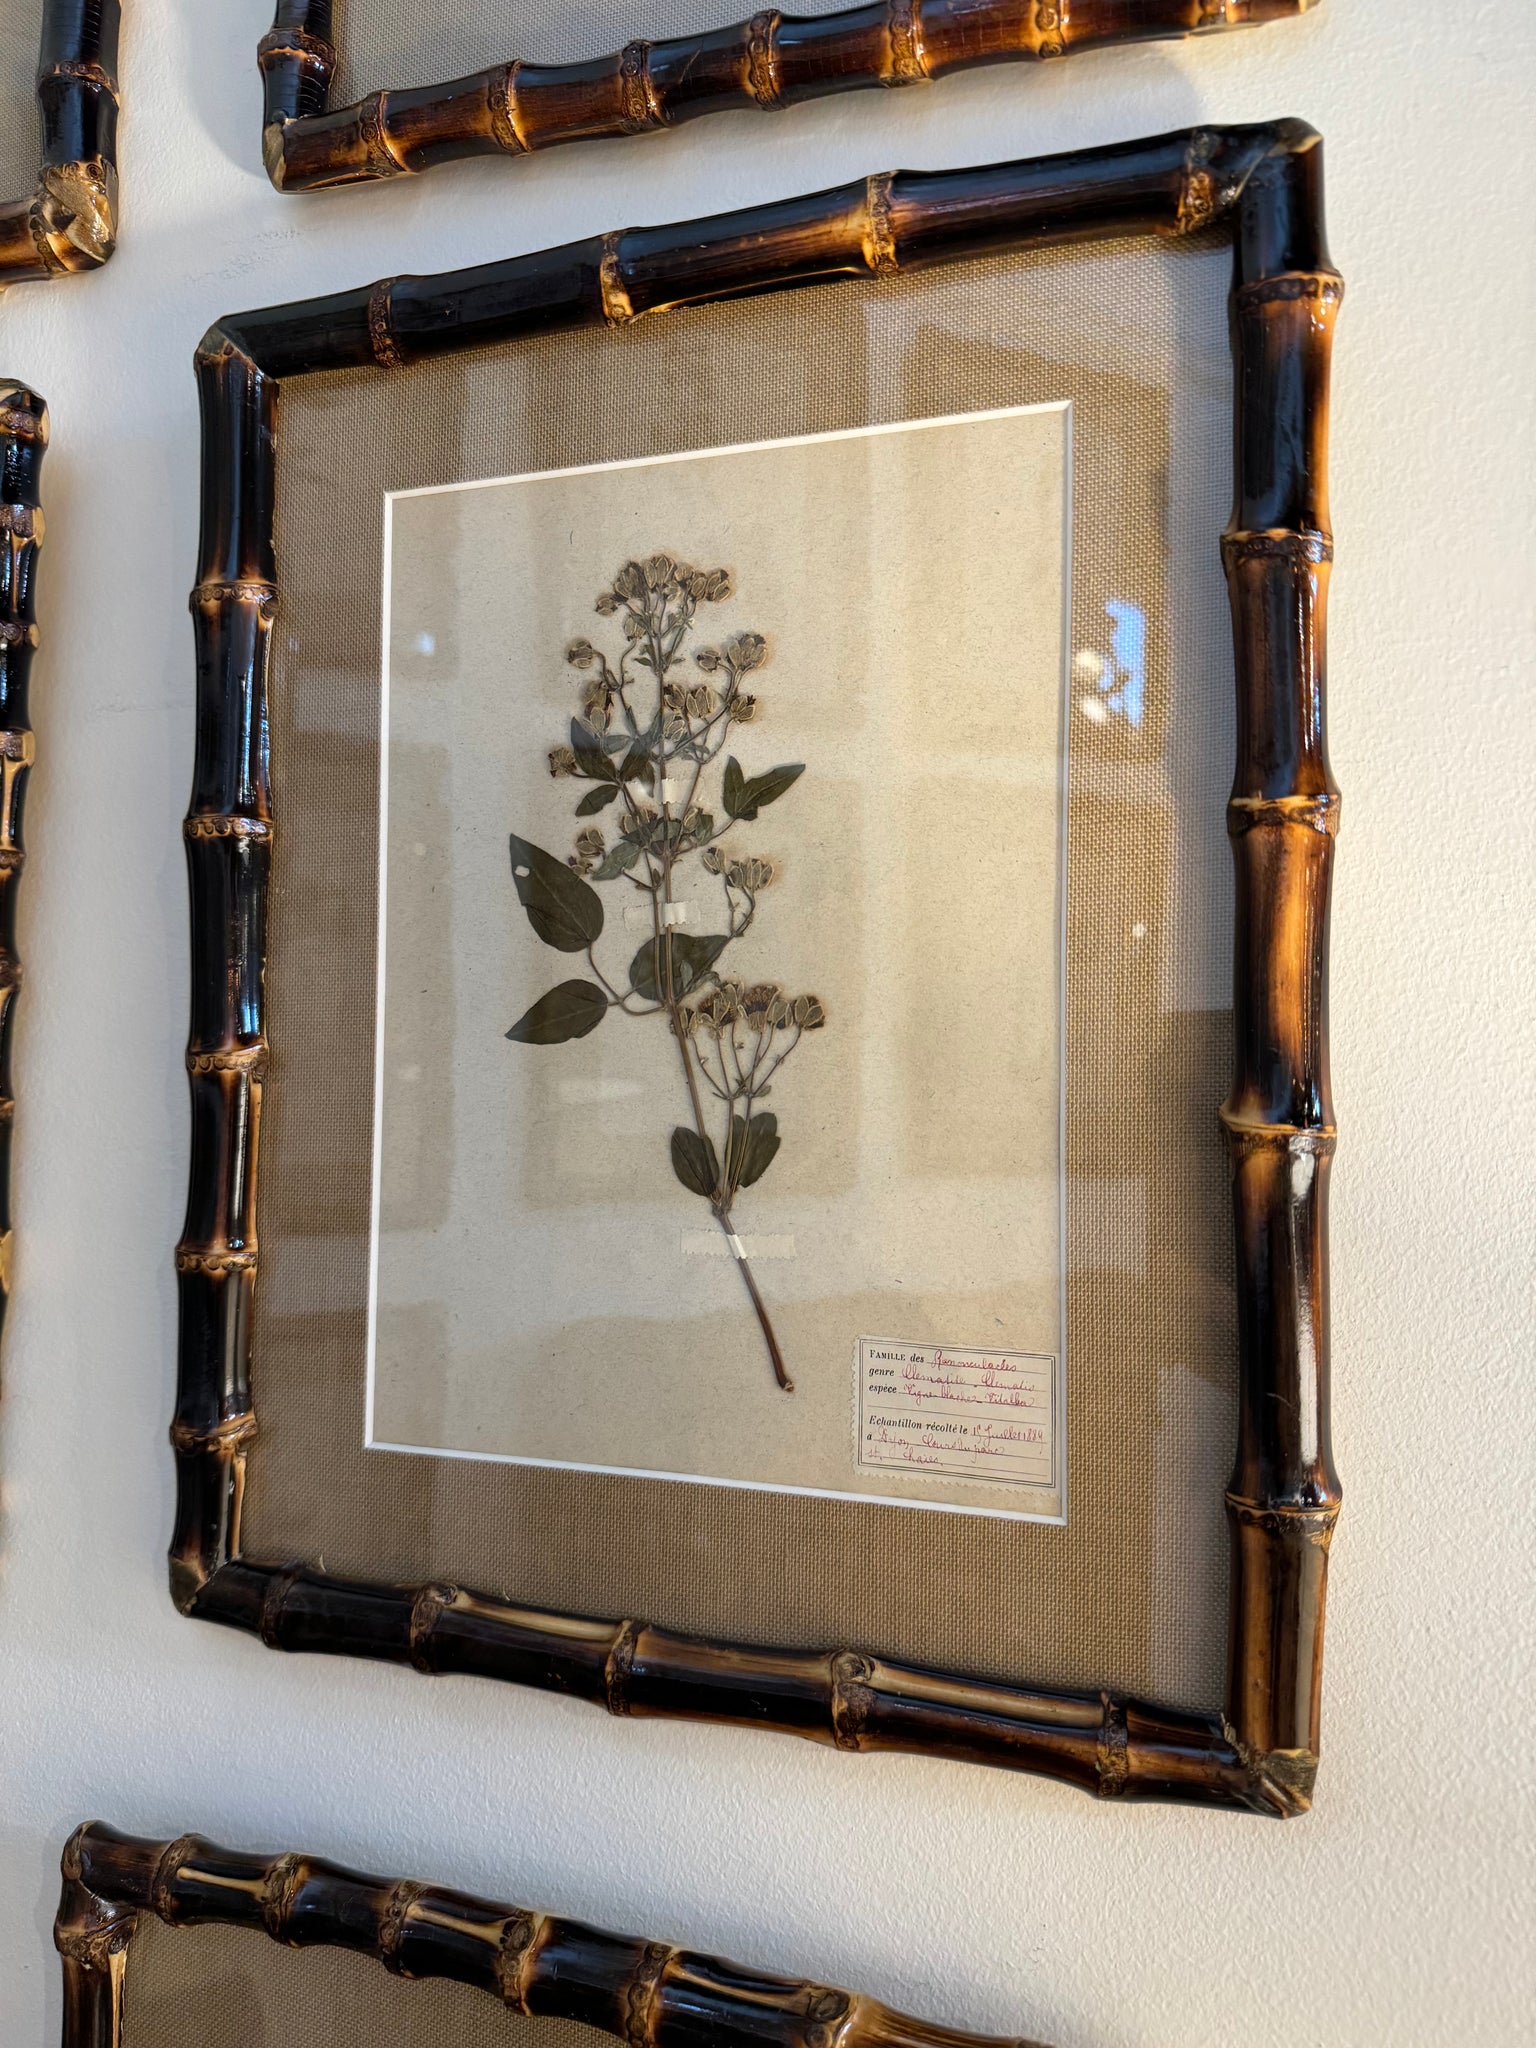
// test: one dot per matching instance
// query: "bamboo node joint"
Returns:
(640, 1992)
(619, 1667)
(618, 310)
(427, 1609)
(1050, 21)
(515, 1953)
(904, 32)
(279, 1888)
(501, 91)
(1325, 287)
(642, 107)
(879, 235)
(762, 59)
(852, 1698)
(394, 1920)
(1112, 1759)
(381, 334)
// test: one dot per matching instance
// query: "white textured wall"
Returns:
(1393, 1914)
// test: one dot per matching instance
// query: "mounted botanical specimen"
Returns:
(732, 1040)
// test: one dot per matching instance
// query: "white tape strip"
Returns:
(637, 916)
(714, 1244)
(674, 788)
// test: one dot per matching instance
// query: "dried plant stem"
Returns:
(721, 1207)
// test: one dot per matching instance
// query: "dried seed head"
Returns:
(590, 841)
(808, 1013)
(758, 1000)
(674, 696)
(580, 863)
(673, 727)
(633, 627)
(607, 604)
(695, 583)
(707, 659)
(581, 654)
(630, 581)
(562, 761)
(714, 860)
(760, 873)
(746, 651)
(778, 1017)
(702, 701)
(661, 573)
(718, 586)
(646, 813)
(743, 710)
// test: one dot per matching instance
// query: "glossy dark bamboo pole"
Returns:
(1283, 1498)
(772, 60)
(1263, 185)
(228, 847)
(23, 443)
(641, 1991)
(69, 223)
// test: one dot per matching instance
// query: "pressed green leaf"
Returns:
(569, 1011)
(758, 790)
(637, 766)
(692, 958)
(733, 787)
(694, 1162)
(597, 799)
(591, 759)
(564, 912)
(753, 1146)
(618, 860)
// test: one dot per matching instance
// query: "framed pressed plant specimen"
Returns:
(23, 443)
(68, 223)
(784, 656)
(556, 1981)
(771, 60)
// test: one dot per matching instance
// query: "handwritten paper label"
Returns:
(935, 1410)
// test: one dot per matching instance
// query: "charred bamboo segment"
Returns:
(1283, 816)
(771, 60)
(69, 222)
(23, 443)
(639, 1991)
(1263, 184)
(228, 834)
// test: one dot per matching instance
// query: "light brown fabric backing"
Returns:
(21, 28)
(232, 1987)
(1132, 1593)
(400, 42)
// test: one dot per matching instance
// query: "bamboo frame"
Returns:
(68, 223)
(772, 60)
(641, 1991)
(1260, 185)
(23, 444)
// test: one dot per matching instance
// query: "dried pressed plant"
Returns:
(648, 732)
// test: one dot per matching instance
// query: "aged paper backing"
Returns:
(539, 1293)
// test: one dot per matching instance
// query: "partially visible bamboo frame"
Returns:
(1260, 185)
(69, 222)
(772, 60)
(643, 1992)
(23, 443)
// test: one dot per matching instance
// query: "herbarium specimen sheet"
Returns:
(718, 1115)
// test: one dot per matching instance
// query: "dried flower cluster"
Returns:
(647, 760)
